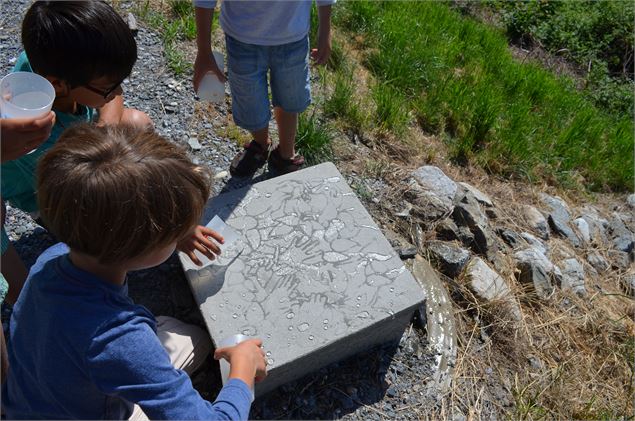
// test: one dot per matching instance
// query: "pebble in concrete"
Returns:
(315, 279)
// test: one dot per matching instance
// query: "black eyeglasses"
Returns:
(103, 93)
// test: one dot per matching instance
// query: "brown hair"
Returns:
(117, 192)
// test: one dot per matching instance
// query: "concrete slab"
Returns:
(311, 274)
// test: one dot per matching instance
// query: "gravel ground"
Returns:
(386, 382)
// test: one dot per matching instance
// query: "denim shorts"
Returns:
(248, 65)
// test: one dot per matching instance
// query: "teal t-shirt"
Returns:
(18, 177)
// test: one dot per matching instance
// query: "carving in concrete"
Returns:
(310, 268)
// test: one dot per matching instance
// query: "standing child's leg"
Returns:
(291, 95)
(287, 129)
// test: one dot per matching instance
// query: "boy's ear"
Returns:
(61, 87)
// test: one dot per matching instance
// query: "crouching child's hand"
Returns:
(246, 360)
(200, 239)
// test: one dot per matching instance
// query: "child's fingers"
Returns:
(193, 258)
(207, 232)
(220, 353)
(205, 251)
(210, 245)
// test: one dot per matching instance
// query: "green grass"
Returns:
(313, 139)
(459, 79)
(342, 103)
(180, 26)
(599, 34)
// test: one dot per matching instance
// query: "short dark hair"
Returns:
(78, 41)
(118, 192)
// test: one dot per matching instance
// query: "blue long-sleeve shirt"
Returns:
(80, 348)
(264, 22)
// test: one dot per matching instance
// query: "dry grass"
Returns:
(568, 358)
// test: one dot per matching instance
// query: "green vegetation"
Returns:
(313, 139)
(596, 35)
(459, 80)
(341, 103)
(180, 25)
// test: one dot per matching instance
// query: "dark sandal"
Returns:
(279, 165)
(248, 161)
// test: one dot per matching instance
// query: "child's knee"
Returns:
(137, 118)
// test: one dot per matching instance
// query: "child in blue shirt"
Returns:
(119, 199)
(86, 50)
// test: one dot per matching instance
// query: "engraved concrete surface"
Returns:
(311, 274)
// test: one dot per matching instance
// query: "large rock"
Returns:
(583, 229)
(490, 286)
(470, 215)
(573, 276)
(480, 197)
(597, 261)
(597, 224)
(559, 217)
(314, 276)
(535, 242)
(536, 221)
(536, 269)
(433, 182)
(510, 237)
(621, 237)
(448, 258)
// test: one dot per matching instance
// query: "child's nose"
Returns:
(113, 94)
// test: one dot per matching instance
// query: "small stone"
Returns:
(407, 252)
(405, 212)
(434, 182)
(630, 200)
(220, 175)
(535, 362)
(132, 23)
(194, 144)
(391, 392)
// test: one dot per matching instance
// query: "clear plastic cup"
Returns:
(224, 364)
(25, 95)
(210, 88)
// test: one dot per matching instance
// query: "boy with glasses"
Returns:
(85, 49)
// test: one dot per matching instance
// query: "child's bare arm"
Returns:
(204, 62)
(322, 53)
(111, 112)
(247, 361)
